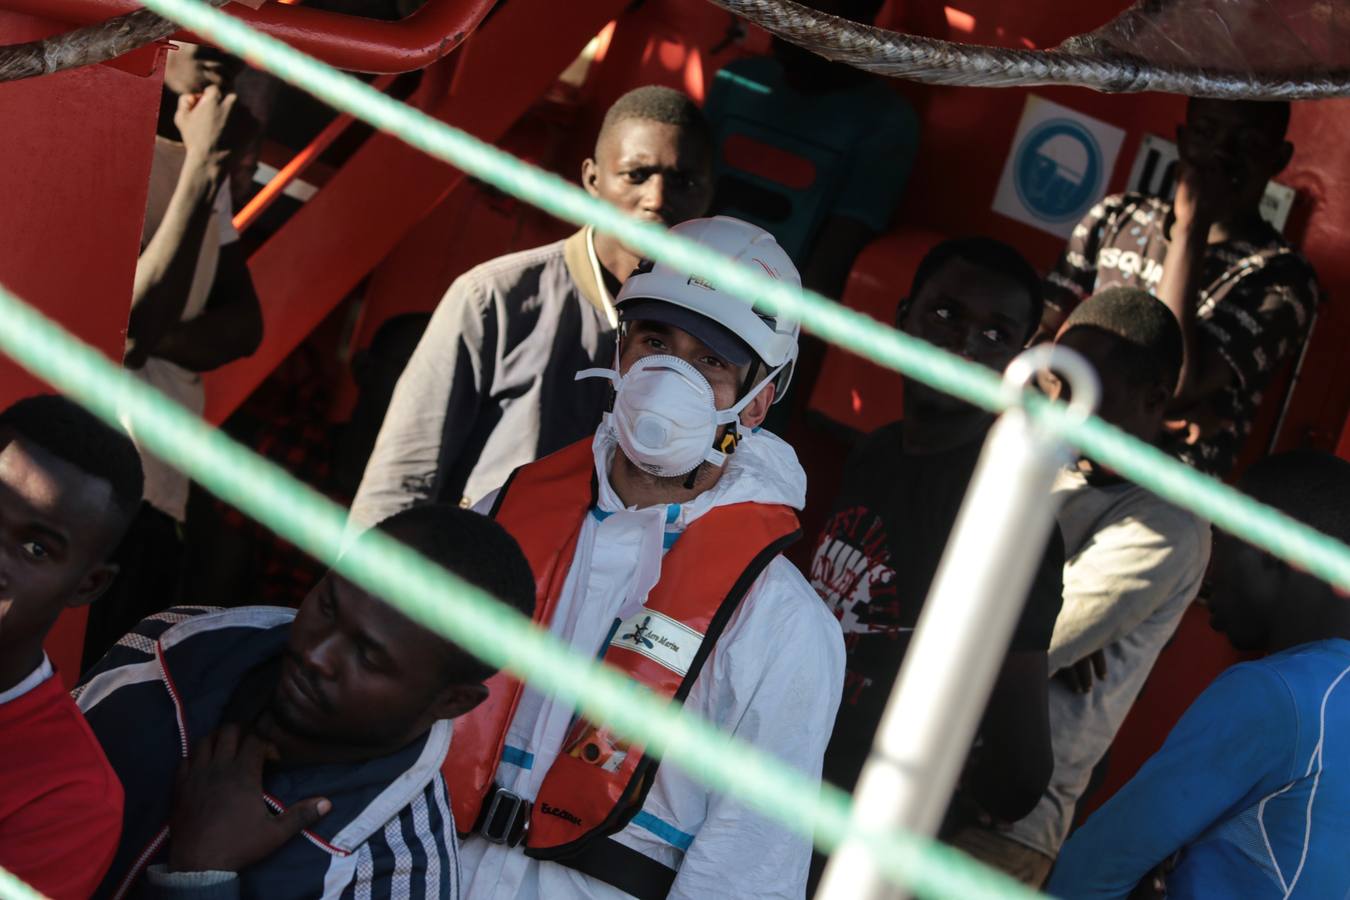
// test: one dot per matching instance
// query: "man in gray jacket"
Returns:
(491, 385)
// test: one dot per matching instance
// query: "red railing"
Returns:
(348, 42)
(301, 161)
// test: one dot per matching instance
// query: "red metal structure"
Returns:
(402, 226)
(298, 164)
(339, 237)
(73, 176)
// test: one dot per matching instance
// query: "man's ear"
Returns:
(901, 311)
(590, 173)
(93, 585)
(755, 412)
(457, 699)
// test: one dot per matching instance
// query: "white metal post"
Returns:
(963, 632)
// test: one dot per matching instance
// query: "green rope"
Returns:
(12, 888)
(837, 324)
(488, 629)
(441, 602)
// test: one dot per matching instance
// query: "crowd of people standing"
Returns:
(590, 437)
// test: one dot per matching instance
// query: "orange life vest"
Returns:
(598, 783)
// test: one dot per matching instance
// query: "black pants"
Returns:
(149, 578)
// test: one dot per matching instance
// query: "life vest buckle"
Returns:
(507, 819)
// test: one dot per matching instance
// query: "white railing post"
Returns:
(963, 632)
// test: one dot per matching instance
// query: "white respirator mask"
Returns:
(666, 418)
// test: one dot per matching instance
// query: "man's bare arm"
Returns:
(212, 127)
(1194, 211)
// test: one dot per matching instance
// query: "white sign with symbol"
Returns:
(1060, 163)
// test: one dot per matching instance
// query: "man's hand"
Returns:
(1186, 431)
(219, 819)
(1202, 198)
(1080, 676)
(1199, 422)
(215, 129)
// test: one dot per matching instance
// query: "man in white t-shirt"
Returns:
(1134, 563)
(193, 308)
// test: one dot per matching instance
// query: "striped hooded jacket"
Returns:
(166, 685)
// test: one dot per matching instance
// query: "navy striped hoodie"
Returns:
(166, 685)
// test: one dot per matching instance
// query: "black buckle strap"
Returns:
(622, 867)
(506, 817)
(506, 820)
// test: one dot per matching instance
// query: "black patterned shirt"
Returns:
(1256, 302)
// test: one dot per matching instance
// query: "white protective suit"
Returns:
(774, 681)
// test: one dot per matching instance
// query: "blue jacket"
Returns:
(166, 685)
(1252, 786)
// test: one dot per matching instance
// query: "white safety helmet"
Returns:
(658, 292)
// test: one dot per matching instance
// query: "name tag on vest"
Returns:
(660, 638)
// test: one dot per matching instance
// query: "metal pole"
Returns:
(964, 629)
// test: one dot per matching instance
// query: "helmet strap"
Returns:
(733, 413)
(751, 371)
(726, 446)
(692, 477)
(727, 443)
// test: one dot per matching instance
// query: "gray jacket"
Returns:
(1135, 563)
(492, 384)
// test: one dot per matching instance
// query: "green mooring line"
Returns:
(440, 601)
(837, 324)
(465, 614)
(12, 888)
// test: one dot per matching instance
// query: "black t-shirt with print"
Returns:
(873, 565)
(1256, 303)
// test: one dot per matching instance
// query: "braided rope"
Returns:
(431, 596)
(1082, 61)
(86, 46)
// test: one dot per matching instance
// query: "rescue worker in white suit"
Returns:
(658, 545)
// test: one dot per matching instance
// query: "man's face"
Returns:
(643, 339)
(1135, 409)
(1245, 588)
(57, 526)
(190, 68)
(1241, 141)
(358, 674)
(979, 315)
(652, 171)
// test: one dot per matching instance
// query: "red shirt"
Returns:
(60, 801)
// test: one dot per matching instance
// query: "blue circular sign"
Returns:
(1058, 170)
